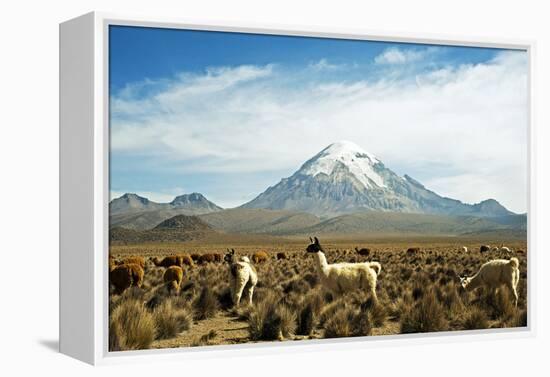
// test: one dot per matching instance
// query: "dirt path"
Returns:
(228, 330)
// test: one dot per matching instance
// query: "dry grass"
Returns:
(271, 319)
(417, 292)
(171, 319)
(131, 327)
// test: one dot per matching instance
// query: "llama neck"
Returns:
(321, 263)
(475, 281)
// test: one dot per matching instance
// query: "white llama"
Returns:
(243, 277)
(493, 274)
(340, 278)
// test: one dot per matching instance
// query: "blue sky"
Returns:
(229, 114)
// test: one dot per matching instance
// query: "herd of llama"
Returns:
(337, 278)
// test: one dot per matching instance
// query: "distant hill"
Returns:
(259, 221)
(288, 223)
(132, 211)
(405, 223)
(183, 223)
(516, 221)
(179, 228)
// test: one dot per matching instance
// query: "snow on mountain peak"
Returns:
(359, 162)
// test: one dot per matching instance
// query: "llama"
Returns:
(464, 249)
(493, 274)
(363, 251)
(167, 261)
(260, 257)
(186, 259)
(207, 258)
(281, 255)
(140, 261)
(413, 250)
(125, 276)
(505, 249)
(243, 277)
(172, 278)
(484, 248)
(341, 278)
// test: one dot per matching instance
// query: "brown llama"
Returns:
(363, 251)
(167, 261)
(186, 260)
(126, 276)
(260, 257)
(281, 255)
(207, 258)
(140, 261)
(413, 250)
(173, 277)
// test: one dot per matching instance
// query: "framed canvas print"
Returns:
(227, 188)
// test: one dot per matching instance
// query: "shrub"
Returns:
(475, 319)
(329, 310)
(376, 312)
(170, 321)
(348, 322)
(206, 305)
(224, 298)
(305, 320)
(131, 327)
(427, 315)
(417, 293)
(270, 320)
(520, 319)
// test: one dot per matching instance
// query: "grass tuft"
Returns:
(131, 327)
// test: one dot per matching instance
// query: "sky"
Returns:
(230, 114)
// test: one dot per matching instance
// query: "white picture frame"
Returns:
(84, 191)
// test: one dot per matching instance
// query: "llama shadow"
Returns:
(52, 345)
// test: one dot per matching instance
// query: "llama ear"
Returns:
(311, 239)
(316, 241)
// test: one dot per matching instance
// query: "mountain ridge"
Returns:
(132, 211)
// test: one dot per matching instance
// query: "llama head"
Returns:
(315, 246)
(464, 281)
(229, 256)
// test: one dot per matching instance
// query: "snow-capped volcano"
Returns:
(345, 153)
(344, 178)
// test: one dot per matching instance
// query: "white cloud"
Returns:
(472, 119)
(395, 55)
(324, 64)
